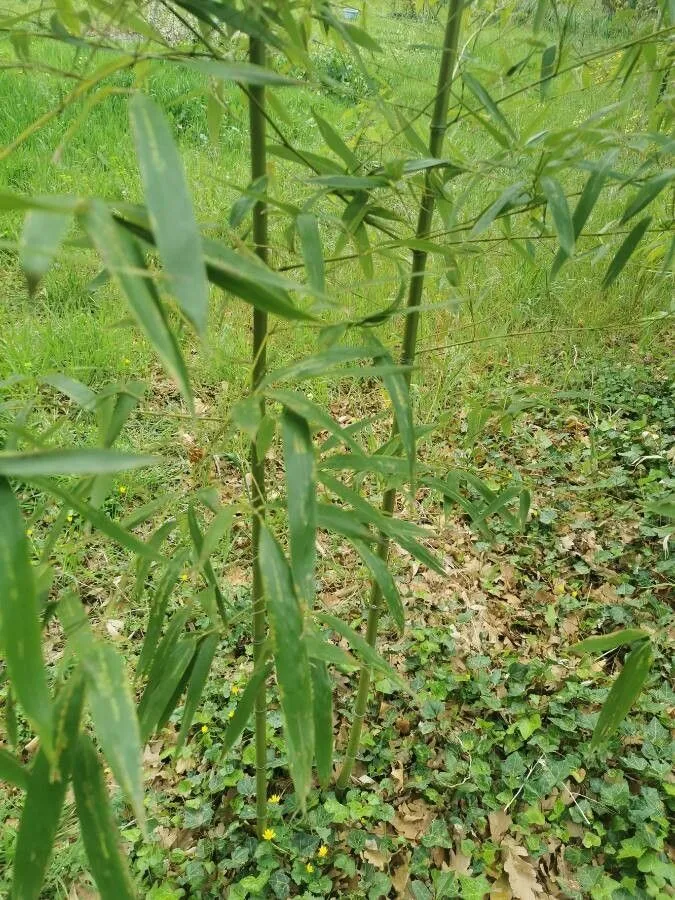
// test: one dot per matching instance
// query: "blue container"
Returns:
(349, 13)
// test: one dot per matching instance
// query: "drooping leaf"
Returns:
(322, 704)
(243, 72)
(479, 91)
(291, 662)
(20, 625)
(625, 251)
(647, 193)
(604, 642)
(209, 573)
(562, 220)
(244, 708)
(547, 71)
(312, 251)
(200, 672)
(399, 394)
(95, 461)
(162, 685)
(380, 572)
(336, 144)
(301, 502)
(42, 236)
(79, 393)
(509, 196)
(123, 259)
(45, 796)
(111, 702)
(361, 647)
(98, 827)
(171, 212)
(624, 692)
(332, 517)
(312, 412)
(582, 211)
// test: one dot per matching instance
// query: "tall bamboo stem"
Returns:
(259, 624)
(439, 124)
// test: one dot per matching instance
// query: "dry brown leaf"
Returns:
(521, 872)
(114, 627)
(500, 822)
(412, 819)
(459, 862)
(501, 890)
(375, 856)
(401, 874)
(398, 776)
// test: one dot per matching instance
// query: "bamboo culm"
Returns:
(439, 124)
(257, 132)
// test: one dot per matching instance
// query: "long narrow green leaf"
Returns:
(42, 235)
(301, 501)
(604, 642)
(481, 94)
(326, 652)
(331, 517)
(20, 628)
(647, 193)
(12, 771)
(312, 251)
(200, 672)
(291, 662)
(98, 519)
(242, 72)
(170, 208)
(624, 692)
(45, 797)
(79, 393)
(207, 567)
(508, 196)
(360, 646)
(399, 394)
(111, 702)
(96, 461)
(162, 687)
(312, 412)
(625, 251)
(322, 705)
(562, 220)
(244, 708)
(336, 144)
(98, 826)
(380, 572)
(122, 257)
(582, 211)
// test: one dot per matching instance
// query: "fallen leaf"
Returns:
(501, 890)
(401, 875)
(375, 856)
(520, 870)
(500, 822)
(459, 862)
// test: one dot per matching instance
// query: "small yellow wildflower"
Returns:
(559, 587)
(322, 851)
(269, 834)
(310, 868)
(184, 576)
(230, 715)
(205, 729)
(69, 517)
(235, 689)
(275, 798)
(122, 489)
(30, 532)
(126, 361)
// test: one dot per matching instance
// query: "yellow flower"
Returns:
(230, 715)
(322, 851)
(310, 868)
(559, 587)
(126, 361)
(235, 689)
(275, 798)
(269, 834)
(184, 576)
(30, 532)
(69, 517)
(205, 728)
(122, 489)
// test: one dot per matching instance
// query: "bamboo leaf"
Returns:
(111, 702)
(359, 462)
(322, 705)
(42, 236)
(312, 412)
(360, 646)
(399, 394)
(625, 251)
(98, 827)
(96, 461)
(562, 220)
(162, 686)
(624, 692)
(336, 144)
(547, 71)
(312, 251)
(582, 211)
(79, 393)
(331, 517)
(324, 650)
(170, 208)
(505, 199)
(122, 257)
(349, 182)
(242, 72)
(12, 770)
(647, 193)
(604, 642)
(481, 94)
(45, 796)
(380, 572)
(244, 708)
(301, 503)
(198, 544)
(200, 672)
(291, 662)
(20, 627)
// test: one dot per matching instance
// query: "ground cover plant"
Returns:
(505, 523)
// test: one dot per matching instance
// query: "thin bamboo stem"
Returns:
(439, 124)
(257, 126)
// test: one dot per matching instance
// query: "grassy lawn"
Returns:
(482, 784)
